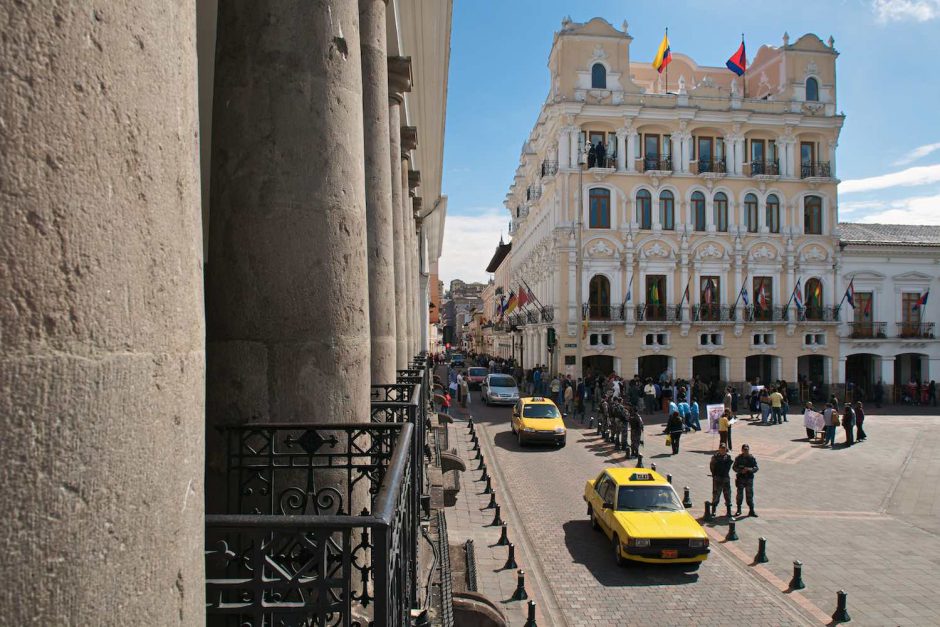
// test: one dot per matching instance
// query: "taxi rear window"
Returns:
(540, 411)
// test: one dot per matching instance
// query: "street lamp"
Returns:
(579, 261)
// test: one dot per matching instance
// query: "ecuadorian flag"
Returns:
(663, 55)
(738, 61)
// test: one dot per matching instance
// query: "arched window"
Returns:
(773, 213)
(598, 76)
(698, 210)
(721, 211)
(644, 209)
(812, 215)
(599, 203)
(667, 210)
(813, 299)
(750, 213)
(599, 297)
(812, 89)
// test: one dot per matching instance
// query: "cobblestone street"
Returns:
(862, 519)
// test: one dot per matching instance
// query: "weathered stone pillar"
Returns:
(287, 291)
(414, 180)
(399, 77)
(379, 216)
(102, 356)
(408, 236)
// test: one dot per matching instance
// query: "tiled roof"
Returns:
(501, 251)
(889, 234)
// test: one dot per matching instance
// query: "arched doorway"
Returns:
(709, 368)
(813, 299)
(861, 372)
(599, 297)
(651, 366)
(759, 367)
(910, 368)
(603, 364)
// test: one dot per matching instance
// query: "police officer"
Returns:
(636, 431)
(745, 466)
(720, 467)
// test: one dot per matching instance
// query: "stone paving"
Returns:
(863, 519)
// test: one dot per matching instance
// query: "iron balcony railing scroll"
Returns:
(815, 169)
(868, 330)
(662, 164)
(915, 330)
(532, 316)
(712, 313)
(711, 166)
(654, 312)
(601, 313)
(765, 168)
(549, 168)
(548, 314)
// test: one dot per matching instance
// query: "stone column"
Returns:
(411, 258)
(564, 145)
(574, 134)
(102, 357)
(287, 285)
(621, 150)
(379, 215)
(399, 78)
(632, 139)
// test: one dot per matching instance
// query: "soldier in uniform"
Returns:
(745, 466)
(720, 467)
(636, 432)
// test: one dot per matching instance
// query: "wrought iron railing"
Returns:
(532, 316)
(647, 312)
(770, 313)
(596, 312)
(816, 314)
(657, 164)
(548, 314)
(815, 169)
(916, 330)
(607, 161)
(759, 168)
(712, 313)
(533, 192)
(711, 166)
(873, 330)
(549, 168)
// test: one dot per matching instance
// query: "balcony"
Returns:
(915, 330)
(533, 192)
(868, 330)
(607, 161)
(602, 312)
(815, 170)
(711, 166)
(712, 313)
(771, 313)
(765, 168)
(548, 314)
(657, 164)
(549, 168)
(816, 314)
(650, 312)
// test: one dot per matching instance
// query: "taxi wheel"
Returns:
(594, 524)
(618, 557)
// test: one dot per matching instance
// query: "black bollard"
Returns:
(841, 615)
(530, 621)
(668, 477)
(520, 594)
(479, 454)
(489, 488)
(708, 512)
(503, 536)
(797, 582)
(511, 560)
(686, 498)
(653, 466)
(732, 533)
(591, 422)
(470, 423)
(492, 502)
(639, 460)
(761, 557)
(497, 520)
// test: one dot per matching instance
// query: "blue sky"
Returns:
(887, 81)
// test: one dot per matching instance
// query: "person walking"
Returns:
(724, 428)
(554, 388)
(720, 467)
(728, 399)
(848, 423)
(674, 428)
(745, 467)
(764, 407)
(464, 393)
(569, 399)
(859, 420)
(776, 406)
(694, 416)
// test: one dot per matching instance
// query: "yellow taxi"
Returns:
(537, 419)
(643, 517)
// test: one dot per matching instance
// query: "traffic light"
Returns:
(551, 337)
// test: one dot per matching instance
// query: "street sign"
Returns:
(571, 345)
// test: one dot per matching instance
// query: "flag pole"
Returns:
(740, 291)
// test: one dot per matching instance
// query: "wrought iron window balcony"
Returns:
(548, 314)
(765, 168)
(771, 313)
(607, 161)
(594, 312)
(712, 313)
(815, 169)
(711, 166)
(533, 192)
(817, 314)
(907, 330)
(531, 316)
(660, 164)
(654, 312)
(549, 168)
(868, 330)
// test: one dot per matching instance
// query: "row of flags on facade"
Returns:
(507, 304)
(737, 63)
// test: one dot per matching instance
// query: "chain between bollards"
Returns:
(520, 594)
(841, 615)
(503, 536)
(761, 557)
(530, 621)
(511, 559)
(797, 582)
(686, 498)
(732, 533)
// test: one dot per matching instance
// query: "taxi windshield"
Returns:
(540, 411)
(647, 498)
(502, 382)
(478, 372)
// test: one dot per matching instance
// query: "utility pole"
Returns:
(579, 263)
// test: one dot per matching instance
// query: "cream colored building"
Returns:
(698, 187)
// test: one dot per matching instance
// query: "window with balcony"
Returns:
(698, 210)
(863, 324)
(812, 215)
(644, 209)
(773, 213)
(763, 157)
(656, 152)
(710, 154)
(709, 298)
(599, 208)
(599, 297)
(809, 166)
(598, 76)
(813, 299)
(655, 297)
(720, 204)
(667, 210)
(763, 291)
(812, 90)
(750, 213)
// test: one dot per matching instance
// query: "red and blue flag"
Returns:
(738, 61)
(922, 300)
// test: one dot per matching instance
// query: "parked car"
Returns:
(476, 376)
(537, 419)
(500, 389)
(643, 517)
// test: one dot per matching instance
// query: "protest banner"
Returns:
(813, 420)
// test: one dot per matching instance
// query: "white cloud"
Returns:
(900, 10)
(914, 210)
(855, 206)
(469, 244)
(921, 175)
(918, 153)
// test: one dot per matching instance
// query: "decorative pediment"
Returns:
(600, 248)
(710, 251)
(813, 253)
(912, 276)
(763, 252)
(656, 249)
